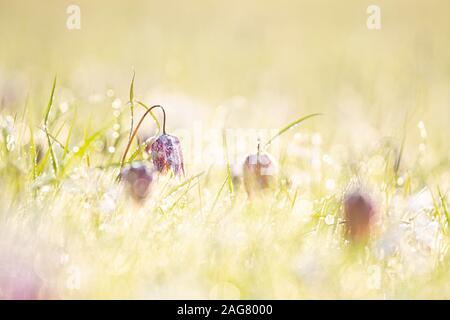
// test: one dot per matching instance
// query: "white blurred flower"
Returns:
(108, 202)
(421, 201)
(426, 231)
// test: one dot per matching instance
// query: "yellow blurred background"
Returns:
(306, 53)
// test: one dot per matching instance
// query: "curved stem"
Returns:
(153, 116)
(122, 162)
(164, 120)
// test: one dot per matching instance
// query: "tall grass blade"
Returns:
(290, 126)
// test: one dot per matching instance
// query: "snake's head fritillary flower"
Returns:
(138, 179)
(165, 150)
(359, 210)
(259, 171)
(166, 154)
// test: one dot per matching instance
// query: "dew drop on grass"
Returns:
(99, 145)
(422, 130)
(111, 149)
(329, 219)
(116, 104)
(10, 142)
(423, 133)
(327, 159)
(110, 93)
(64, 106)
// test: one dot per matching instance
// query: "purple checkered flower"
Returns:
(165, 150)
(167, 155)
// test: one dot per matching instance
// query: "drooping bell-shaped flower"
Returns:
(165, 150)
(259, 171)
(166, 154)
(138, 179)
(359, 210)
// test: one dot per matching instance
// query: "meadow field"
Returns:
(230, 76)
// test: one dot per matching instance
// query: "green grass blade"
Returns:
(33, 151)
(82, 150)
(41, 165)
(132, 87)
(290, 126)
(54, 139)
(69, 135)
(444, 206)
(50, 102)
(218, 194)
(176, 188)
(132, 106)
(225, 146)
(136, 153)
(47, 113)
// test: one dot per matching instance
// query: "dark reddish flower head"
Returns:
(259, 171)
(138, 179)
(359, 212)
(167, 155)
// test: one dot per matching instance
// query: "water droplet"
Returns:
(117, 103)
(64, 106)
(110, 93)
(10, 142)
(329, 219)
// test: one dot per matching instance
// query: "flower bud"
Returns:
(359, 213)
(166, 154)
(138, 179)
(259, 171)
